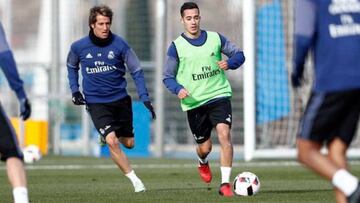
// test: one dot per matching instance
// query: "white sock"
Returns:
(345, 181)
(203, 161)
(132, 176)
(20, 195)
(225, 174)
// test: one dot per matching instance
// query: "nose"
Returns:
(105, 27)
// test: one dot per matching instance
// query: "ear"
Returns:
(92, 25)
(182, 20)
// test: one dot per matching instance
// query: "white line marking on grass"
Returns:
(164, 165)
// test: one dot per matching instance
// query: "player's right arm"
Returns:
(72, 64)
(305, 20)
(170, 72)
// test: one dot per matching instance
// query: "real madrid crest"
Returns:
(111, 55)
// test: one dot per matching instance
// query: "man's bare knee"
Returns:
(127, 142)
(129, 145)
(306, 149)
(205, 150)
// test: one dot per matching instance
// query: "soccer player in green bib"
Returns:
(195, 72)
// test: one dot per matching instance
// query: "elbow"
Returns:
(166, 80)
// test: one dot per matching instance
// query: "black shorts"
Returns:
(114, 116)
(204, 118)
(330, 115)
(8, 141)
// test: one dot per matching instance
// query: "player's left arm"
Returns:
(133, 64)
(235, 56)
(8, 66)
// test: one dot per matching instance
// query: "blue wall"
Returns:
(141, 125)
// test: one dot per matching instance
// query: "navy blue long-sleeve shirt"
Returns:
(235, 59)
(103, 70)
(331, 29)
(8, 65)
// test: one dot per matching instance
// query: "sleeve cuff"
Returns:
(231, 65)
(177, 90)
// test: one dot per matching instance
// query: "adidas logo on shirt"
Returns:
(88, 56)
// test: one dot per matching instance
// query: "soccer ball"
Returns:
(246, 184)
(31, 154)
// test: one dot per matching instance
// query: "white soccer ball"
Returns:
(246, 184)
(31, 154)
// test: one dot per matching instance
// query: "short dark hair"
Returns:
(99, 10)
(188, 5)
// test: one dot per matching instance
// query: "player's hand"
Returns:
(223, 64)
(183, 93)
(25, 109)
(149, 106)
(295, 80)
(78, 98)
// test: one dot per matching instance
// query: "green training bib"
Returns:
(199, 73)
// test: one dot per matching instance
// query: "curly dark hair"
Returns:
(99, 10)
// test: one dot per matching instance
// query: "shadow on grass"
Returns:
(296, 191)
(190, 188)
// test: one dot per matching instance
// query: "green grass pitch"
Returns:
(79, 179)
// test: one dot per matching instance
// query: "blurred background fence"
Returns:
(40, 33)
